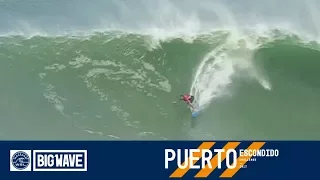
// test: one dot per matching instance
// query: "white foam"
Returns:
(54, 98)
(165, 19)
(214, 74)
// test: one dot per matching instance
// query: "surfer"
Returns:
(188, 99)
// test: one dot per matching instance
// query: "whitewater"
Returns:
(110, 70)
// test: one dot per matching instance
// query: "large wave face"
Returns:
(110, 70)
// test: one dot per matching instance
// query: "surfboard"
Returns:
(195, 113)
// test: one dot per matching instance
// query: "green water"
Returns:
(117, 87)
(110, 70)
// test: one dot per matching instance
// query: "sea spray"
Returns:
(214, 74)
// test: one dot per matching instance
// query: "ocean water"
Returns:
(110, 70)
